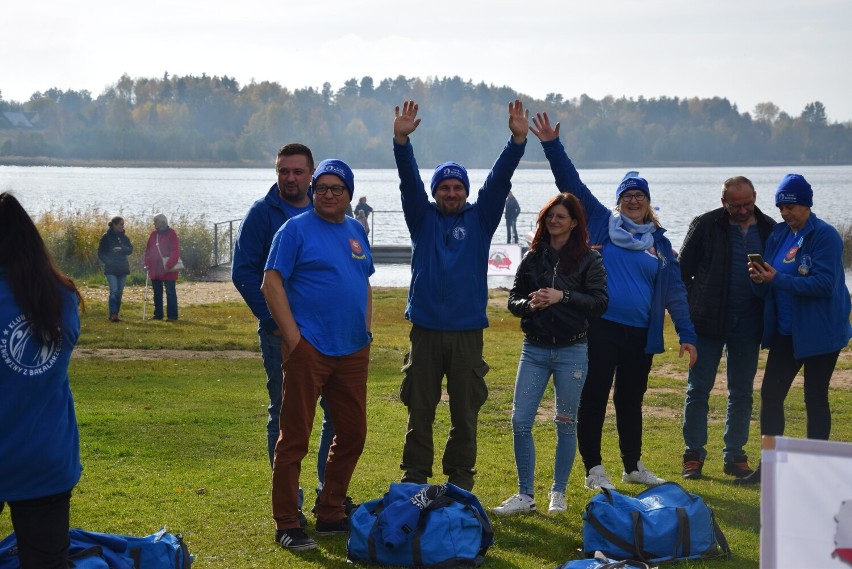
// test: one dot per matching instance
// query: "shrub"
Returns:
(73, 236)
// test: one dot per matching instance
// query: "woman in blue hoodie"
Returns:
(643, 281)
(805, 310)
(39, 441)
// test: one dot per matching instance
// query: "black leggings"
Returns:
(615, 351)
(41, 529)
(781, 370)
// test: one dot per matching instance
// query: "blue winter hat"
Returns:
(337, 168)
(631, 181)
(450, 170)
(794, 189)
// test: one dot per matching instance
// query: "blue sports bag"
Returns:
(94, 550)
(662, 523)
(420, 525)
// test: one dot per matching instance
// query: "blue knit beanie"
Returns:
(450, 170)
(337, 168)
(631, 181)
(794, 189)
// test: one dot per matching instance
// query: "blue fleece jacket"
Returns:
(669, 291)
(449, 253)
(40, 443)
(821, 304)
(251, 249)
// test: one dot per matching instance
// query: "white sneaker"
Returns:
(598, 479)
(557, 503)
(517, 504)
(642, 476)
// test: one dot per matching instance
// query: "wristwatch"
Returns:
(566, 295)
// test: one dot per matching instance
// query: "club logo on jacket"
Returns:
(357, 249)
(23, 352)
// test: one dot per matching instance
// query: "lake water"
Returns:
(679, 194)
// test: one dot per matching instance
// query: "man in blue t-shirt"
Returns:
(317, 287)
(288, 197)
(450, 241)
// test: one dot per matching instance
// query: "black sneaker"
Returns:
(753, 478)
(692, 465)
(738, 467)
(303, 521)
(348, 506)
(333, 528)
(294, 539)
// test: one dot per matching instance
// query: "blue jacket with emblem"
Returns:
(449, 253)
(821, 305)
(669, 291)
(40, 443)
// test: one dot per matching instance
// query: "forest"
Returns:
(214, 121)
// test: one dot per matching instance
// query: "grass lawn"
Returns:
(178, 438)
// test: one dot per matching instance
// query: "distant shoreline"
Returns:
(257, 164)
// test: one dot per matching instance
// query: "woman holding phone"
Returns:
(805, 312)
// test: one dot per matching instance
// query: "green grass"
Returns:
(181, 442)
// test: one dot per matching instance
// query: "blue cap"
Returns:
(631, 181)
(337, 168)
(450, 170)
(794, 189)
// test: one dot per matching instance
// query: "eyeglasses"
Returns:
(556, 216)
(735, 206)
(637, 197)
(335, 190)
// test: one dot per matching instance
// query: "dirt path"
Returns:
(195, 292)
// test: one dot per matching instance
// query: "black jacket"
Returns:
(705, 267)
(115, 262)
(566, 322)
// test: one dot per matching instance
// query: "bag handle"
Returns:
(371, 541)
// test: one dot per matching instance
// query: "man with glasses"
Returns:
(288, 197)
(450, 241)
(317, 287)
(727, 316)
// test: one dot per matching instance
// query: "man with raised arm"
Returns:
(450, 240)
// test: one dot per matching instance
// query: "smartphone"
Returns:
(756, 258)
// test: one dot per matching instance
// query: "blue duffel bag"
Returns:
(420, 525)
(662, 523)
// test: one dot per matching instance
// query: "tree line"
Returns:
(215, 120)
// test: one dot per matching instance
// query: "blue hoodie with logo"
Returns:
(449, 253)
(40, 443)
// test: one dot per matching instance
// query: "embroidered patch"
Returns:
(790, 257)
(356, 246)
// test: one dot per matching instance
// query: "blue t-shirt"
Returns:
(785, 262)
(39, 440)
(326, 269)
(630, 277)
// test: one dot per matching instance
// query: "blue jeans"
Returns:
(270, 350)
(116, 289)
(171, 299)
(741, 346)
(568, 366)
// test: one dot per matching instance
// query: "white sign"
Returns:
(806, 504)
(503, 260)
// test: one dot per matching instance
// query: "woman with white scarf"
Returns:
(643, 281)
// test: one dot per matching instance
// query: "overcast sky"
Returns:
(789, 52)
